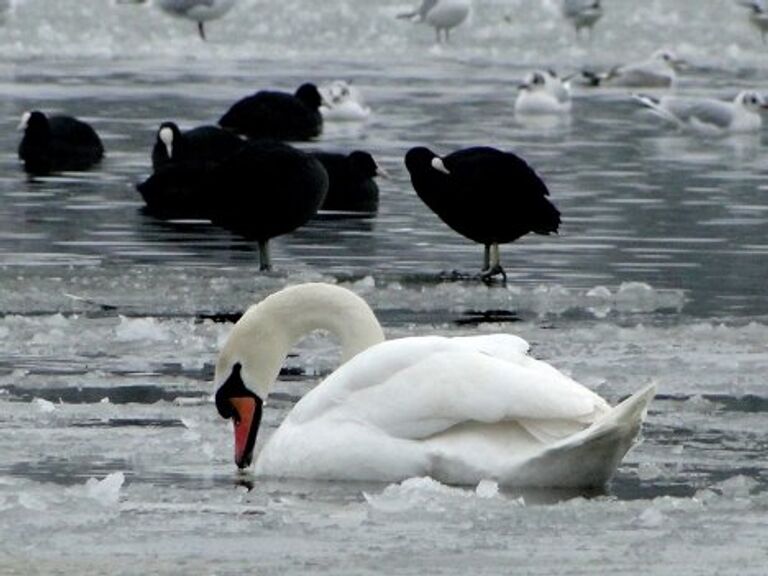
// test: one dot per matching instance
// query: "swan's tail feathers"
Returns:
(631, 412)
(589, 458)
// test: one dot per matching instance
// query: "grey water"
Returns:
(112, 458)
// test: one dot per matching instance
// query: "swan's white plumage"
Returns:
(458, 409)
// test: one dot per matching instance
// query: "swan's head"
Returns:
(236, 402)
(250, 360)
(247, 366)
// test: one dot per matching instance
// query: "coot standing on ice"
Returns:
(57, 143)
(489, 196)
(267, 189)
(277, 115)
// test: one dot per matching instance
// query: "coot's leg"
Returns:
(265, 263)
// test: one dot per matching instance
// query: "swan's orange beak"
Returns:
(246, 419)
(235, 401)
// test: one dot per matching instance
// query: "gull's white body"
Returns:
(342, 101)
(758, 15)
(442, 15)
(196, 10)
(543, 92)
(658, 71)
(707, 114)
(457, 409)
(447, 14)
(582, 13)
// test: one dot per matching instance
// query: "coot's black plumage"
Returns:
(204, 144)
(489, 196)
(351, 184)
(56, 143)
(178, 191)
(179, 187)
(267, 189)
(277, 115)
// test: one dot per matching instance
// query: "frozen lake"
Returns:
(112, 457)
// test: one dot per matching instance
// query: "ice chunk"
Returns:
(736, 487)
(106, 491)
(44, 406)
(140, 329)
(31, 502)
(651, 518)
(487, 489)
(649, 471)
(430, 496)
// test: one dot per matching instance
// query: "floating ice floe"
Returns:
(44, 406)
(133, 329)
(106, 491)
(428, 495)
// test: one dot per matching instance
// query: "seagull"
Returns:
(758, 15)
(582, 13)
(199, 11)
(342, 101)
(710, 115)
(658, 71)
(543, 92)
(442, 15)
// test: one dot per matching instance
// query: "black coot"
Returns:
(266, 189)
(351, 185)
(489, 196)
(277, 115)
(179, 186)
(178, 191)
(204, 144)
(57, 143)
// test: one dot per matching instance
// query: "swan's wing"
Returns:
(417, 387)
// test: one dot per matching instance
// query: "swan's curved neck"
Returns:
(262, 338)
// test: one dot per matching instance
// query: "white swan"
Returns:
(457, 409)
